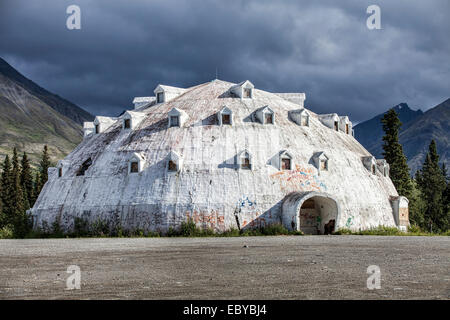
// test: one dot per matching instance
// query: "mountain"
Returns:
(416, 133)
(31, 117)
(61, 105)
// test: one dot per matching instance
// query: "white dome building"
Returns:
(226, 156)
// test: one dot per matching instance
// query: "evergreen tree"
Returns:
(432, 185)
(446, 194)
(6, 194)
(26, 181)
(17, 213)
(44, 165)
(417, 205)
(393, 154)
(36, 186)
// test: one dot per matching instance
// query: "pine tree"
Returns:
(446, 194)
(17, 213)
(44, 165)
(6, 192)
(36, 186)
(393, 154)
(432, 185)
(26, 181)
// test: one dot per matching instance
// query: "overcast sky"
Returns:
(324, 48)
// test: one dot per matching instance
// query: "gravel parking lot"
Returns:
(283, 267)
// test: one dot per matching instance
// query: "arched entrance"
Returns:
(310, 212)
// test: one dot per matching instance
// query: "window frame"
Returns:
(160, 97)
(177, 121)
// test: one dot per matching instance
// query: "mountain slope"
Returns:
(416, 133)
(433, 124)
(370, 133)
(28, 122)
(59, 104)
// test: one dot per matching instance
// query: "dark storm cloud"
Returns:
(125, 48)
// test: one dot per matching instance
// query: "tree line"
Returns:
(19, 190)
(429, 190)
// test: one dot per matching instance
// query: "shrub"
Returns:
(6, 232)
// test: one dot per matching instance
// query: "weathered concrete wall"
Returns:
(209, 188)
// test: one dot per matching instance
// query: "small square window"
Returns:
(247, 93)
(268, 118)
(172, 166)
(127, 123)
(159, 97)
(174, 121)
(226, 119)
(323, 165)
(304, 121)
(245, 163)
(134, 167)
(286, 164)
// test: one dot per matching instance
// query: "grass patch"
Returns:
(99, 228)
(390, 231)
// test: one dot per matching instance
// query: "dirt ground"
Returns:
(294, 267)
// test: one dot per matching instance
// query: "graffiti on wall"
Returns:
(207, 219)
(304, 179)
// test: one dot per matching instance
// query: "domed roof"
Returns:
(206, 180)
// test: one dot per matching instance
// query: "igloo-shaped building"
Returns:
(225, 156)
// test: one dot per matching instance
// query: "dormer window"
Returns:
(244, 160)
(265, 115)
(60, 172)
(160, 97)
(225, 117)
(177, 117)
(321, 161)
(173, 162)
(331, 121)
(97, 128)
(345, 125)
(300, 117)
(370, 164)
(243, 90)
(127, 124)
(383, 166)
(285, 161)
(136, 163)
(174, 121)
(248, 93)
